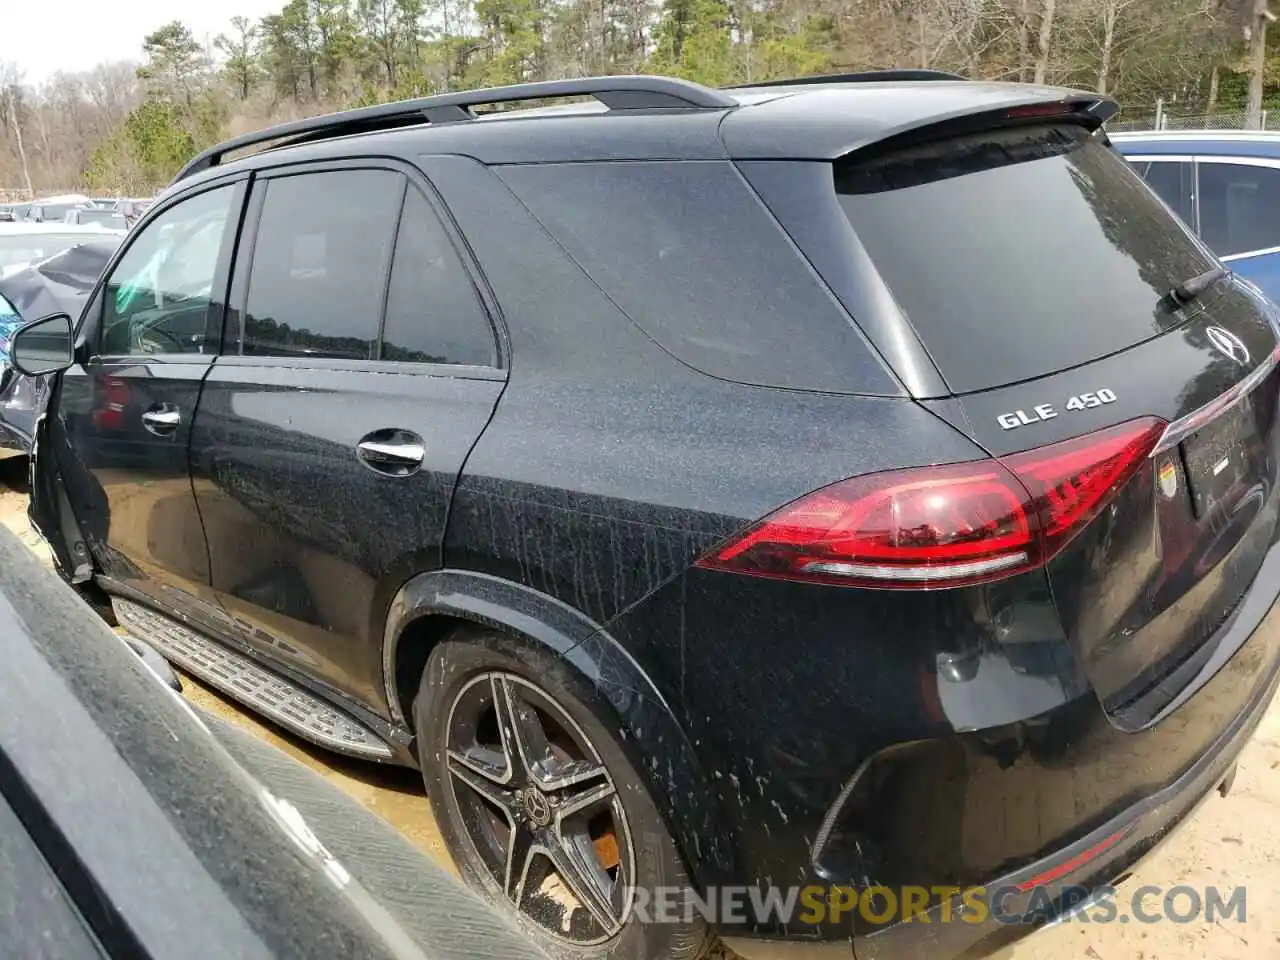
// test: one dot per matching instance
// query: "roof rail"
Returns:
(616, 93)
(869, 76)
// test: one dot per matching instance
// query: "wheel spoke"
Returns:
(571, 773)
(520, 852)
(577, 802)
(583, 877)
(523, 736)
(481, 777)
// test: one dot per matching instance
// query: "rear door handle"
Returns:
(397, 453)
(162, 419)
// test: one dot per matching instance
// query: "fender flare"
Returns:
(649, 730)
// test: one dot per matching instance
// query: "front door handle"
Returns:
(397, 453)
(162, 419)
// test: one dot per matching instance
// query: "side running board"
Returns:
(281, 700)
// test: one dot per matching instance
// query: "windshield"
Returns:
(1019, 252)
(17, 251)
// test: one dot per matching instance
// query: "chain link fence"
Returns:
(1161, 120)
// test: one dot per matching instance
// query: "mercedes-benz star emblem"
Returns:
(536, 807)
(1228, 343)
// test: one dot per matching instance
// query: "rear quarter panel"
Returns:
(609, 467)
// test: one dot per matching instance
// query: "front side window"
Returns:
(159, 295)
(320, 264)
(1237, 204)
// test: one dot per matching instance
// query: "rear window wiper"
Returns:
(1191, 289)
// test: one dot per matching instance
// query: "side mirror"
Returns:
(43, 346)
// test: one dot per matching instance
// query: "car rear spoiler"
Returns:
(832, 123)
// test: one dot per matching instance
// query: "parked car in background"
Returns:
(47, 209)
(860, 480)
(22, 244)
(132, 208)
(6, 214)
(57, 284)
(1225, 184)
(96, 215)
(133, 827)
(20, 211)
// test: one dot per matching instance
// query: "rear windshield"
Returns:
(107, 218)
(1018, 253)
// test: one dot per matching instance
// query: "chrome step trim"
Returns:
(238, 676)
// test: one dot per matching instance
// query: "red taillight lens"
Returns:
(1072, 481)
(943, 526)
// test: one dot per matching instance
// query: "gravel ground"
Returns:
(1227, 843)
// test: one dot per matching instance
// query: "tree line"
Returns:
(126, 127)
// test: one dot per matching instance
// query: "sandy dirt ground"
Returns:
(1227, 843)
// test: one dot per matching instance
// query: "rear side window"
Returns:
(687, 250)
(433, 312)
(320, 264)
(1018, 253)
(1172, 182)
(1238, 205)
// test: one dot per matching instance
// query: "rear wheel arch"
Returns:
(443, 604)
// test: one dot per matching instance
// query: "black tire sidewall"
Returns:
(455, 661)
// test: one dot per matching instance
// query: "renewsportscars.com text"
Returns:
(882, 906)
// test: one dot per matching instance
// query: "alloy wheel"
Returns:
(540, 808)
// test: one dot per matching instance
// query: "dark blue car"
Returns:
(1224, 184)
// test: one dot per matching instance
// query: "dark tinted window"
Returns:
(689, 252)
(320, 264)
(1171, 179)
(1239, 207)
(433, 313)
(1017, 253)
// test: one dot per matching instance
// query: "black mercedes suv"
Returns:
(859, 482)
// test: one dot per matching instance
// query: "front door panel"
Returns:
(133, 499)
(122, 423)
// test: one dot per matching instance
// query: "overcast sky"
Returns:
(44, 36)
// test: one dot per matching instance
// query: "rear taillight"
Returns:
(944, 526)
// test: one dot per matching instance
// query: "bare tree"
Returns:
(11, 86)
(1256, 35)
(1043, 43)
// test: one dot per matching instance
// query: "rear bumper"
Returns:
(1116, 845)
(1126, 791)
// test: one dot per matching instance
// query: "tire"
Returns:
(456, 712)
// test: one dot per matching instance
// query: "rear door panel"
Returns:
(307, 543)
(357, 337)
